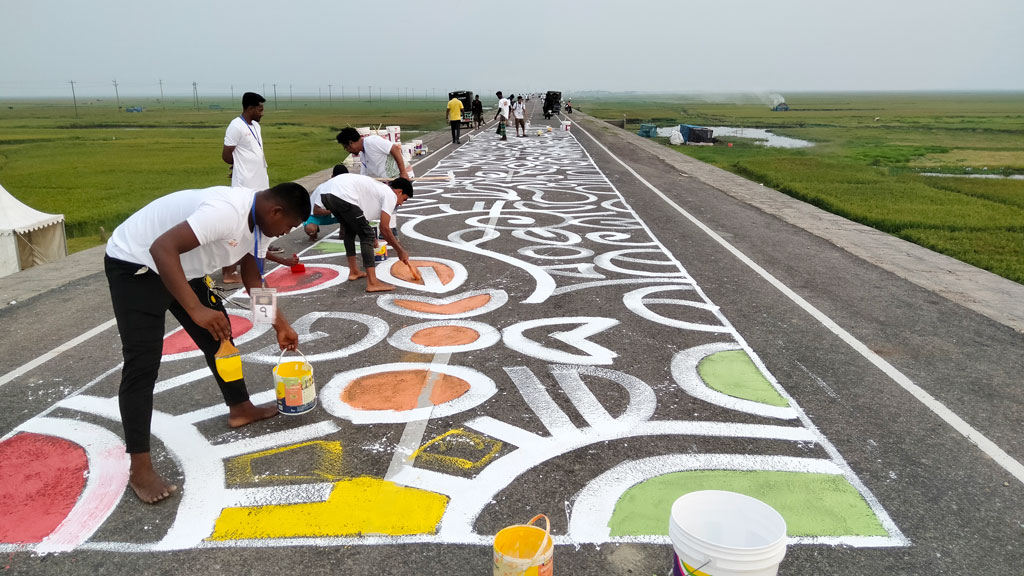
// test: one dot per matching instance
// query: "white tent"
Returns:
(28, 237)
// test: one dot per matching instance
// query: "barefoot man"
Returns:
(156, 261)
(354, 200)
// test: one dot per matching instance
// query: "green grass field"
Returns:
(869, 156)
(99, 168)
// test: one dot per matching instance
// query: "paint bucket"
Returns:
(380, 253)
(719, 533)
(524, 550)
(394, 134)
(296, 393)
(566, 125)
(364, 131)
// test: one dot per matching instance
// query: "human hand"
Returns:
(287, 338)
(213, 321)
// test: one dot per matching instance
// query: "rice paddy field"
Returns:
(100, 166)
(872, 158)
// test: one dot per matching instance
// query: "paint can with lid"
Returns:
(296, 392)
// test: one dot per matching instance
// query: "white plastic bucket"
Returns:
(719, 533)
(364, 131)
(566, 125)
(394, 134)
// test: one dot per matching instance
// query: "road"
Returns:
(595, 334)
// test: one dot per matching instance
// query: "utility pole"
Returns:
(290, 99)
(329, 97)
(117, 95)
(379, 98)
(370, 93)
(232, 94)
(161, 90)
(74, 98)
(275, 96)
(342, 92)
(195, 95)
(320, 94)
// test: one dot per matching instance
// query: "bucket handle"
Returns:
(547, 535)
(281, 357)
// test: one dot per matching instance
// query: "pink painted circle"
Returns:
(285, 280)
(180, 341)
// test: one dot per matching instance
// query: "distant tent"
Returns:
(28, 237)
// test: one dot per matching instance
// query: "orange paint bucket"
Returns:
(524, 550)
(296, 392)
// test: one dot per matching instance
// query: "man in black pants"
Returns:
(355, 200)
(454, 116)
(156, 261)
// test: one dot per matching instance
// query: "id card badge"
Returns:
(264, 305)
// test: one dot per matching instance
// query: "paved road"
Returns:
(595, 334)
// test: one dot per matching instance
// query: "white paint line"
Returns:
(412, 435)
(1007, 462)
(32, 364)
(279, 495)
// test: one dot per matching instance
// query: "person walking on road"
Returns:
(478, 111)
(519, 114)
(379, 157)
(354, 200)
(502, 115)
(243, 151)
(454, 116)
(157, 260)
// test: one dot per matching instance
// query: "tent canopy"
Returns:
(28, 237)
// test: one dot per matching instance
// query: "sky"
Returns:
(321, 48)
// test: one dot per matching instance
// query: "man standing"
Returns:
(354, 200)
(379, 157)
(243, 151)
(478, 111)
(502, 115)
(455, 118)
(157, 261)
(519, 112)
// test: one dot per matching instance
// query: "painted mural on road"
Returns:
(618, 359)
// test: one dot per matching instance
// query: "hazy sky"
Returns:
(480, 45)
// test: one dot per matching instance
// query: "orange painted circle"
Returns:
(444, 272)
(445, 336)
(400, 390)
(457, 307)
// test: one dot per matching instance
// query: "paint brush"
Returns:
(415, 273)
(228, 361)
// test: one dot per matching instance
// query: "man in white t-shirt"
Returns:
(157, 260)
(354, 200)
(380, 158)
(502, 115)
(519, 114)
(243, 151)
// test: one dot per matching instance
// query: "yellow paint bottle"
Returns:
(228, 361)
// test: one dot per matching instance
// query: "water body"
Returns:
(764, 137)
(985, 176)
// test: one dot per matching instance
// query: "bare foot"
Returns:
(247, 413)
(379, 287)
(235, 278)
(356, 276)
(149, 486)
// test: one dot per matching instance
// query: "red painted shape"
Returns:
(282, 278)
(180, 341)
(41, 478)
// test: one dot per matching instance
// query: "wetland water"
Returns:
(764, 137)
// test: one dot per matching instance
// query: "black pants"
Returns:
(140, 304)
(456, 130)
(354, 223)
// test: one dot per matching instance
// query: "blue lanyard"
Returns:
(251, 132)
(256, 242)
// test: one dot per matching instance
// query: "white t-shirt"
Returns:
(250, 169)
(374, 157)
(518, 108)
(218, 216)
(371, 196)
(503, 105)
